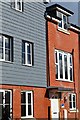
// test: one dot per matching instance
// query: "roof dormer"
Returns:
(60, 13)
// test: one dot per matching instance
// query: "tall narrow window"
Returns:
(72, 101)
(27, 55)
(26, 104)
(6, 48)
(17, 4)
(64, 65)
(63, 22)
(5, 104)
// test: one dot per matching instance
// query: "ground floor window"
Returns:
(5, 104)
(72, 101)
(26, 104)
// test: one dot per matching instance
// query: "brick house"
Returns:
(30, 83)
(62, 62)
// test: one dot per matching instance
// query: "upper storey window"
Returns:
(6, 48)
(64, 20)
(17, 4)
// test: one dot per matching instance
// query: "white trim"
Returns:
(54, 19)
(65, 12)
(28, 116)
(71, 27)
(68, 66)
(16, 7)
(72, 109)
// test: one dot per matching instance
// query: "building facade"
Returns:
(62, 62)
(39, 62)
(22, 60)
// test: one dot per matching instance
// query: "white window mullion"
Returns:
(58, 65)
(63, 66)
(68, 56)
(26, 53)
(16, 4)
(31, 52)
(26, 104)
(4, 47)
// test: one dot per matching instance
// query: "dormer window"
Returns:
(64, 20)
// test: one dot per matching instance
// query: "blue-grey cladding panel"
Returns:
(28, 25)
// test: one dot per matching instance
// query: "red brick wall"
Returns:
(41, 103)
(65, 42)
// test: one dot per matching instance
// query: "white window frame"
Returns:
(16, 7)
(68, 67)
(4, 91)
(61, 14)
(4, 39)
(72, 101)
(31, 46)
(28, 116)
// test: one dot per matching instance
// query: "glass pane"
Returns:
(60, 24)
(60, 65)
(56, 57)
(23, 110)
(7, 54)
(70, 74)
(1, 42)
(65, 66)
(23, 46)
(1, 53)
(69, 97)
(19, 4)
(1, 97)
(73, 97)
(70, 104)
(7, 111)
(28, 48)
(74, 105)
(56, 71)
(23, 97)
(29, 110)
(70, 60)
(7, 43)
(7, 97)
(1, 107)
(23, 58)
(28, 58)
(29, 97)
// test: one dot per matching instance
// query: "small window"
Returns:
(26, 104)
(17, 4)
(27, 50)
(6, 48)
(64, 21)
(72, 101)
(5, 104)
(64, 66)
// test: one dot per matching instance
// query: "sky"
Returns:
(72, 6)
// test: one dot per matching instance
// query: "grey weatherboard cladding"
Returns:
(30, 26)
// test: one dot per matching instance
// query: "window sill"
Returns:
(6, 61)
(63, 30)
(64, 80)
(17, 10)
(27, 65)
(73, 111)
(27, 118)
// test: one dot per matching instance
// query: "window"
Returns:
(72, 101)
(17, 4)
(64, 66)
(63, 22)
(27, 56)
(5, 104)
(26, 104)
(6, 48)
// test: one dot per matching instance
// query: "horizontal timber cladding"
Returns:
(28, 25)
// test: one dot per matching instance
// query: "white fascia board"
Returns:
(63, 11)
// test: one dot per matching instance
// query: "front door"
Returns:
(55, 109)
